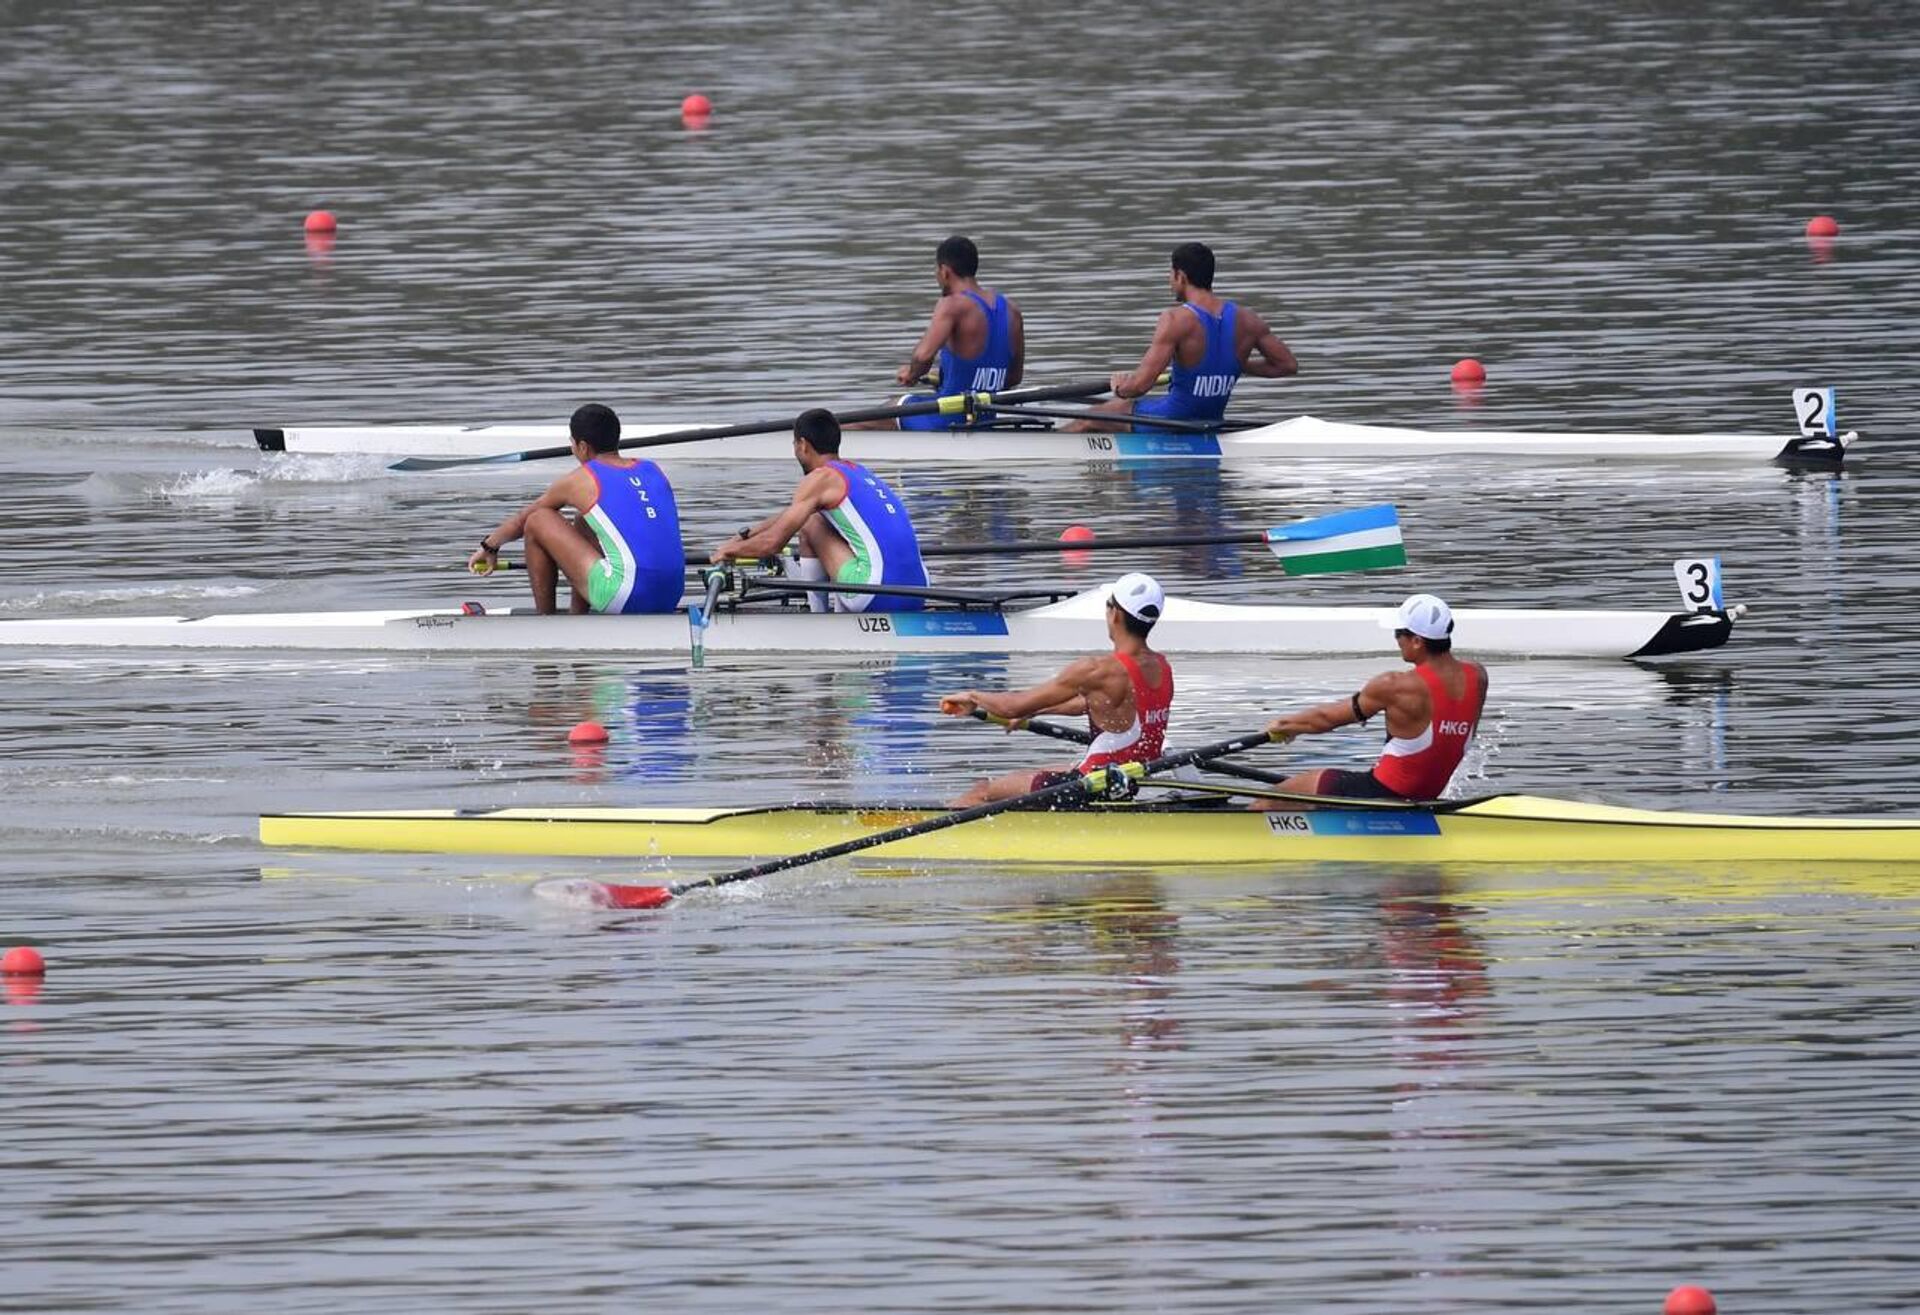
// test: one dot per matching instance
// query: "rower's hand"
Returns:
(1119, 381)
(906, 376)
(483, 562)
(1282, 729)
(959, 705)
(724, 552)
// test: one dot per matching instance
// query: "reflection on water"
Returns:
(1437, 1089)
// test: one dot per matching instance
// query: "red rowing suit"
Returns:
(1419, 766)
(1142, 741)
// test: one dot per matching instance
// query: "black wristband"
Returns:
(1358, 715)
(487, 547)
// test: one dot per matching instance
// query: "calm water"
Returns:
(260, 1079)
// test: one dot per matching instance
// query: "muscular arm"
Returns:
(1166, 341)
(1017, 334)
(1064, 694)
(773, 533)
(1377, 695)
(939, 331)
(567, 491)
(1274, 361)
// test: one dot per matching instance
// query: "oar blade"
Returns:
(448, 463)
(586, 893)
(1365, 539)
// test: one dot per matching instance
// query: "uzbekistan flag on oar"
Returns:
(1367, 539)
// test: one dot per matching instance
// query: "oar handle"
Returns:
(1074, 735)
(1045, 728)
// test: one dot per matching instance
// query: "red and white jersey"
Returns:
(1144, 740)
(1419, 766)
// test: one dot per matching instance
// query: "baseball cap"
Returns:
(1423, 614)
(1139, 596)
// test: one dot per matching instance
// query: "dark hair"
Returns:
(821, 428)
(1135, 626)
(1433, 645)
(596, 426)
(1195, 260)
(960, 255)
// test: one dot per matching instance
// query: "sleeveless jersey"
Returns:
(1419, 766)
(1144, 740)
(874, 522)
(988, 371)
(638, 525)
(1200, 392)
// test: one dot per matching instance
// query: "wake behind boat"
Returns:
(1496, 829)
(1298, 438)
(955, 622)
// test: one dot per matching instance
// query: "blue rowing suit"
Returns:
(638, 525)
(986, 372)
(873, 521)
(1199, 392)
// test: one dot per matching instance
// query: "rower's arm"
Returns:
(563, 492)
(1054, 695)
(939, 330)
(1375, 696)
(772, 534)
(1017, 335)
(1166, 340)
(1269, 358)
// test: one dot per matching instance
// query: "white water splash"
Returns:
(68, 600)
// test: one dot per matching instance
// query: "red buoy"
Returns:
(22, 961)
(695, 106)
(1469, 371)
(321, 221)
(587, 732)
(1689, 1300)
(1076, 534)
(1823, 226)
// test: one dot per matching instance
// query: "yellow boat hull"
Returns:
(1503, 829)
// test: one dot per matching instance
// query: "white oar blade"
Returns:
(1367, 539)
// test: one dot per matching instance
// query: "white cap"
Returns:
(1139, 596)
(1423, 614)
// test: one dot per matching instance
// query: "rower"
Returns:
(978, 335)
(1125, 697)
(622, 551)
(853, 528)
(1432, 713)
(1209, 343)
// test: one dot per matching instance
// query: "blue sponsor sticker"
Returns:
(1166, 445)
(938, 624)
(1369, 823)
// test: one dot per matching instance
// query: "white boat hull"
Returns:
(1070, 626)
(1301, 437)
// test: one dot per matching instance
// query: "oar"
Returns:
(1333, 801)
(1102, 782)
(1074, 735)
(1366, 539)
(958, 404)
(1116, 417)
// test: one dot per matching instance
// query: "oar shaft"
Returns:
(1079, 787)
(1117, 417)
(1147, 541)
(1074, 735)
(1083, 389)
(1075, 787)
